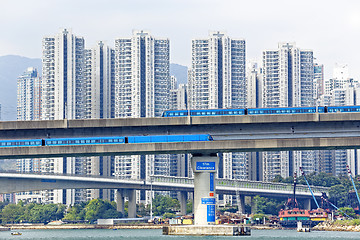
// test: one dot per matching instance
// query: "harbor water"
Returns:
(156, 234)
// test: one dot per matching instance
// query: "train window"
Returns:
(32, 143)
(77, 141)
(181, 114)
(93, 141)
(87, 141)
(231, 113)
(82, 141)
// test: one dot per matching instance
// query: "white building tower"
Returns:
(63, 78)
(63, 96)
(99, 81)
(99, 90)
(342, 90)
(217, 75)
(217, 80)
(28, 95)
(288, 75)
(142, 89)
(28, 108)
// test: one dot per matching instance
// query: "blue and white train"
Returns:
(175, 138)
(260, 111)
(104, 140)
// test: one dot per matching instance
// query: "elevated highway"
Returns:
(231, 134)
(21, 182)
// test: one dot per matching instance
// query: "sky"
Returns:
(330, 28)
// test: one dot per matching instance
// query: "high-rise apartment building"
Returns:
(99, 100)
(217, 74)
(99, 79)
(217, 80)
(341, 90)
(63, 76)
(254, 85)
(28, 108)
(29, 95)
(63, 97)
(142, 86)
(142, 75)
(288, 75)
(318, 80)
(178, 95)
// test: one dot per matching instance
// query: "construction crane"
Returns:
(352, 180)
(312, 194)
(335, 207)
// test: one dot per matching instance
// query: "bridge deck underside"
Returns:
(288, 144)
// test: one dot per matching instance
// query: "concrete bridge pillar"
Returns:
(307, 204)
(119, 198)
(205, 168)
(120, 195)
(132, 203)
(252, 203)
(242, 204)
(183, 201)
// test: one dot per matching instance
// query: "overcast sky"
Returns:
(330, 28)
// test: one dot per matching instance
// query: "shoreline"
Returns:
(325, 226)
(329, 226)
(79, 226)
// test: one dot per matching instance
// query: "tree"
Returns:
(189, 207)
(12, 213)
(98, 208)
(75, 212)
(349, 211)
(43, 213)
(259, 204)
(143, 210)
(165, 204)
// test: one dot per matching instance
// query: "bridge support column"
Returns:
(307, 204)
(183, 201)
(205, 168)
(119, 198)
(253, 208)
(241, 204)
(132, 203)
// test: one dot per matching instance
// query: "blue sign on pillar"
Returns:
(211, 181)
(210, 213)
(205, 166)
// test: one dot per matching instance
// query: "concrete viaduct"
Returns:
(231, 134)
(18, 182)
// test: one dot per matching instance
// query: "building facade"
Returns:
(217, 80)
(142, 89)
(288, 76)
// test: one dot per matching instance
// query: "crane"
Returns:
(312, 194)
(352, 180)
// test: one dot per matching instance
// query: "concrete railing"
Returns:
(244, 184)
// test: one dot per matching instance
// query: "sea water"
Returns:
(156, 234)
